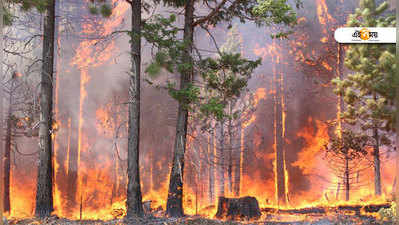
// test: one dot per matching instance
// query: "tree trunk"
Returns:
(174, 205)
(7, 153)
(1, 112)
(237, 165)
(280, 173)
(346, 182)
(221, 161)
(377, 163)
(134, 199)
(211, 152)
(397, 126)
(72, 160)
(238, 208)
(230, 155)
(44, 191)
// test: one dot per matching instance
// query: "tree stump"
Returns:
(238, 208)
(147, 207)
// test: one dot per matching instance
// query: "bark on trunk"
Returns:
(7, 153)
(174, 205)
(72, 163)
(281, 195)
(221, 161)
(237, 165)
(134, 199)
(1, 112)
(397, 126)
(211, 152)
(44, 191)
(347, 184)
(377, 163)
(230, 153)
(238, 208)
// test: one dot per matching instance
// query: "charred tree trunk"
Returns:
(237, 165)
(230, 153)
(238, 208)
(221, 161)
(72, 161)
(174, 205)
(1, 112)
(377, 163)
(376, 154)
(211, 164)
(7, 149)
(397, 133)
(346, 182)
(44, 191)
(280, 170)
(134, 199)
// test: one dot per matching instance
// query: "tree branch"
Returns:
(210, 15)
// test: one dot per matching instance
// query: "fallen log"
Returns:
(322, 210)
(238, 208)
(314, 210)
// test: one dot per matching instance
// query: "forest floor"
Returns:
(193, 220)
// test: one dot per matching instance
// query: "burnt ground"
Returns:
(331, 220)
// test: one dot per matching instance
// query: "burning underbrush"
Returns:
(367, 214)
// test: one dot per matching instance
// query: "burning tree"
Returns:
(345, 154)
(18, 118)
(44, 191)
(134, 196)
(177, 56)
(369, 93)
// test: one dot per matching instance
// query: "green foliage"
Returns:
(213, 107)
(25, 5)
(185, 95)
(161, 33)
(224, 76)
(40, 5)
(275, 12)
(268, 12)
(100, 7)
(7, 17)
(369, 92)
(227, 74)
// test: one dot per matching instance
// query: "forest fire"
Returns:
(269, 158)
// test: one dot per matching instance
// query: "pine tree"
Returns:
(369, 92)
(177, 56)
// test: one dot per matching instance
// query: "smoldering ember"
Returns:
(196, 112)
